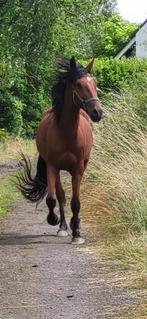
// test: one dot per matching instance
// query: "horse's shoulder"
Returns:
(48, 112)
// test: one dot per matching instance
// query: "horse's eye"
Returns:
(78, 85)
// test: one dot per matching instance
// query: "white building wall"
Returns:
(141, 42)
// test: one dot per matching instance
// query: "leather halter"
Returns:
(84, 101)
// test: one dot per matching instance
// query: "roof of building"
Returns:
(129, 43)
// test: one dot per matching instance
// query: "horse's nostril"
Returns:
(95, 112)
(98, 112)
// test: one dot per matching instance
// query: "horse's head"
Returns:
(85, 93)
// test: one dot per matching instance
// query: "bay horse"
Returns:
(64, 141)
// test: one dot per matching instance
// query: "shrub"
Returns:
(3, 135)
(25, 90)
(114, 74)
(24, 95)
(126, 76)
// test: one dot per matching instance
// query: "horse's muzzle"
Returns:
(96, 115)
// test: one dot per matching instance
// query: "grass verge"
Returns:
(114, 193)
(8, 195)
(11, 147)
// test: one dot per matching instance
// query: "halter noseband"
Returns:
(82, 100)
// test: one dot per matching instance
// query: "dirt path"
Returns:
(45, 277)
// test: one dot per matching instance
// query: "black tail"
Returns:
(33, 188)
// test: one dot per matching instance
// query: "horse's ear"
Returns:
(90, 66)
(73, 63)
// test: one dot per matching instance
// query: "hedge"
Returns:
(24, 92)
(113, 74)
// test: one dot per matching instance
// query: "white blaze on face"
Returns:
(91, 84)
(89, 78)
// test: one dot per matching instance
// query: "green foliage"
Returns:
(23, 97)
(113, 34)
(114, 74)
(11, 117)
(125, 75)
(25, 28)
(24, 93)
(3, 135)
(33, 34)
(41, 29)
(77, 28)
(10, 101)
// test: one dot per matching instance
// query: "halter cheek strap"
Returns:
(83, 101)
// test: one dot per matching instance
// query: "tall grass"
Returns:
(10, 149)
(11, 146)
(116, 199)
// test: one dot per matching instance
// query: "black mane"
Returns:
(67, 70)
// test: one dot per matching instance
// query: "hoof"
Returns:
(78, 241)
(53, 219)
(62, 233)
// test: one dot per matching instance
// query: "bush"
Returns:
(3, 135)
(114, 74)
(11, 102)
(24, 95)
(11, 115)
(25, 90)
(126, 76)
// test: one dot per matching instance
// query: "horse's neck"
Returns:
(70, 116)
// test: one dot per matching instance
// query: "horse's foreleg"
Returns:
(75, 207)
(62, 232)
(52, 218)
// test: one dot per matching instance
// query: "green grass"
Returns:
(10, 148)
(8, 195)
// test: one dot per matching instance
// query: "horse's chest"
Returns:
(69, 154)
(67, 160)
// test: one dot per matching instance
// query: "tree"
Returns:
(37, 28)
(113, 33)
(33, 34)
(77, 23)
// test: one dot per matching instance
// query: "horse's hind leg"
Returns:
(52, 218)
(62, 232)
